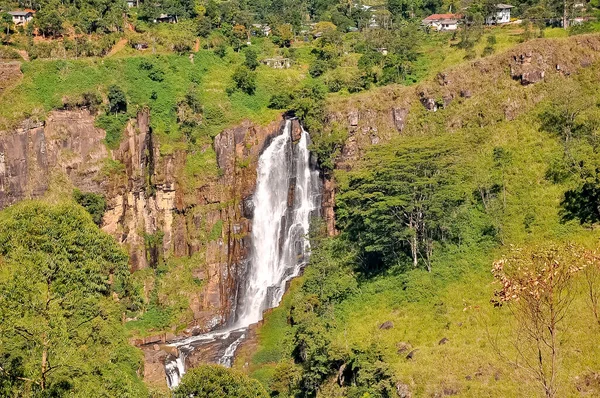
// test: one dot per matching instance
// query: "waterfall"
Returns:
(287, 194)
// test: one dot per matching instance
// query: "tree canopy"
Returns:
(215, 381)
(63, 287)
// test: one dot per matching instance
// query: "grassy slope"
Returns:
(45, 83)
(454, 300)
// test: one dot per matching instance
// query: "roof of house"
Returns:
(504, 6)
(442, 17)
(19, 13)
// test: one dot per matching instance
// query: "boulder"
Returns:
(411, 355)
(403, 347)
(399, 117)
(443, 341)
(353, 118)
(429, 104)
(386, 325)
(446, 100)
(532, 77)
(466, 93)
(403, 390)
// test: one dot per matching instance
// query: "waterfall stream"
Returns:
(287, 194)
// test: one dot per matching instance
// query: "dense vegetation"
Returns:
(214, 381)
(64, 286)
(395, 303)
(399, 300)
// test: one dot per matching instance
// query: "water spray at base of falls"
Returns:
(287, 195)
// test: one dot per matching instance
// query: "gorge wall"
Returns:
(144, 195)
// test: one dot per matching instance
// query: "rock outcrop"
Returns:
(67, 143)
(149, 209)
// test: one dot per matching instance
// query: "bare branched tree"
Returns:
(537, 286)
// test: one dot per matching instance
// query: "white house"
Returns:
(21, 17)
(500, 16)
(442, 22)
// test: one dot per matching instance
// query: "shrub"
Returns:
(317, 68)
(214, 381)
(221, 50)
(117, 101)
(251, 60)
(245, 79)
(93, 203)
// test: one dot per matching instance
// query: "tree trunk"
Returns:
(44, 361)
(565, 15)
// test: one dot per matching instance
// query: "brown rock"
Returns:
(296, 130)
(443, 341)
(386, 325)
(399, 116)
(532, 77)
(429, 104)
(403, 390)
(353, 118)
(411, 355)
(403, 347)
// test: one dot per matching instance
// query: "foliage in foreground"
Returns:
(215, 381)
(63, 287)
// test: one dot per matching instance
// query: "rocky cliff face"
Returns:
(67, 143)
(148, 210)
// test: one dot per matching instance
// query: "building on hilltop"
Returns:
(21, 17)
(500, 16)
(442, 22)
(166, 18)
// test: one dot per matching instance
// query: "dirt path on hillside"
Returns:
(117, 47)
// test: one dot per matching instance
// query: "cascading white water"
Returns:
(278, 230)
(279, 243)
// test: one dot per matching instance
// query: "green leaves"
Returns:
(214, 381)
(400, 201)
(59, 277)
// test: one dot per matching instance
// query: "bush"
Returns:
(117, 101)
(251, 60)
(114, 126)
(8, 53)
(89, 100)
(317, 68)
(280, 101)
(93, 203)
(221, 50)
(214, 381)
(245, 79)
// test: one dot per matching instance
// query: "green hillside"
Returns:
(361, 308)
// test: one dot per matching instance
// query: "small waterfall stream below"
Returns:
(287, 195)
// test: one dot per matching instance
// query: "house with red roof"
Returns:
(442, 22)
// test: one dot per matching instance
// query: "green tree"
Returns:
(251, 58)
(214, 381)
(49, 19)
(244, 79)
(117, 101)
(94, 204)
(6, 21)
(400, 201)
(63, 283)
